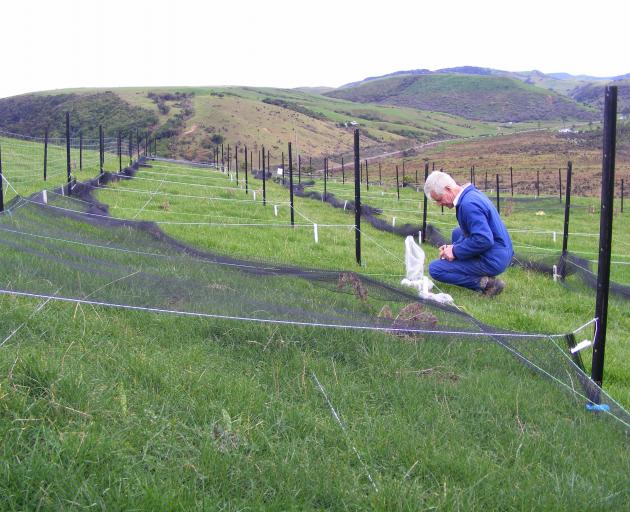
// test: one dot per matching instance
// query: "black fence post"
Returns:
(560, 182)
(621, 196)
(137, 144)
(81, 151)
(100, 148)
(119, 151)
(357, 198)
(397, 185)
(236, 163)
(511, 181)
(485, 184)
(130, 148)
(567, 212)
(291, 184)
(325, 176)
(223, 159)
(283, 167)
(299, 169)
(343, 172)
(424, 206)
(45, 153)
(498, 197)
(537, 183)
(246, 191)
(605, 231)
(403, 173)
(264, 173)
(229, 159)
(367, 176)
(68, 169)
(380, 176)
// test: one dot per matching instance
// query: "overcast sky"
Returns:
(111, 43)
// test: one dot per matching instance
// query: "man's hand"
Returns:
(446, 253)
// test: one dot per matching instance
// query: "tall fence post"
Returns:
(246, 175)
(397, 184)
(283, 167)
(343, 172)
(380, 176)
(45, 153)
(299, 168)
(236, 164)
(560, 182)
(511, 181)
(605, 230)
(68, 153)
(537, 184)
(81, 151)
(424, 205)
(357, 197)
(325, 176)
(621, 196)
(498, 197)
(291, 184)
(100, 148)
(246, 191)
(265, 179)
(264, 174)
(367, 176)
(119, 151)
(130, 148)
(567, 213)
(137, 144)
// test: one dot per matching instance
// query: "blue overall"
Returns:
(481, 243)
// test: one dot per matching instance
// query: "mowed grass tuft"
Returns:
(113, 409)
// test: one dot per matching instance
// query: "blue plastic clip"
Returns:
(597, 407)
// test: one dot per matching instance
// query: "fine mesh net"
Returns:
(70, 248)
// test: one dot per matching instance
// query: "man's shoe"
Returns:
(491, 286)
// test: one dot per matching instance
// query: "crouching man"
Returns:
(481, 248)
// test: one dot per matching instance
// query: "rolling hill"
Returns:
(486, 98)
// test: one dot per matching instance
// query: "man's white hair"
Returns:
(437, 182)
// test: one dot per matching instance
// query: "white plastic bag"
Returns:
(414, 274)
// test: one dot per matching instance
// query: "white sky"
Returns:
(278, 43)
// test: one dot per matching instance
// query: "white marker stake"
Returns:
(393, 221)
(315, 235)
(45, 196)
(555, 273)
(275, 210)
(345, 204)
(254, 195)
(554, 237)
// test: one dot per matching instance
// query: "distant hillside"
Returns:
(562, 83)
(593, 94)
(487, 98)
(29, 114)
(191, 122)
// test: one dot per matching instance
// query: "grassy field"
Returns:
(110, 409)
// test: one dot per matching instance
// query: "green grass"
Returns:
(111, 409)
